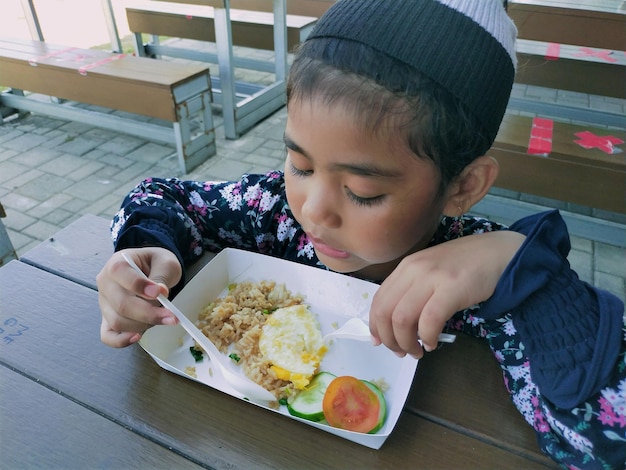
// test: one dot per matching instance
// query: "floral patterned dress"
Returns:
(561, 343)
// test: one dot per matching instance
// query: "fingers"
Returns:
(434, 317)
(401, 324)
(405, 311)
(399, 332)
(393, 319)
(118, 270)
(127, 300)
(116, 339)
(124, 311)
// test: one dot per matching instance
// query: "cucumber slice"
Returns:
(307, 403)
(382, 411)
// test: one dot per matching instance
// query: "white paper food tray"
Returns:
(332, 297)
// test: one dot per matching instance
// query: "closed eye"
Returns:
(298, 172)
(364, 201)
(291, 146)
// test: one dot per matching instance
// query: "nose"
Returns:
(321, 205)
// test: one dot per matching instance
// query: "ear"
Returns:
(471, 185)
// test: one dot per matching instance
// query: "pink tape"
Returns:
(34, 61)
(604, 54)
(607, 143)
(83, 70)
(541, 132)
(553, 51)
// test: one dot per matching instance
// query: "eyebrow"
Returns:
(359, 169)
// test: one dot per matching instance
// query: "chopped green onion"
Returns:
(234, 357)
(196, 353)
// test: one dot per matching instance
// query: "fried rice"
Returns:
(234, 324)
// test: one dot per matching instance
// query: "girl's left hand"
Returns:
(428, 287)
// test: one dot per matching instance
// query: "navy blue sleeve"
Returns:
(153, 226)
(571, 330)
(190, 217)
(157, 227)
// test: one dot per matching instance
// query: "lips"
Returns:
(327, 250)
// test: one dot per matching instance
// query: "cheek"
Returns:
(385, 235)
(394, 233)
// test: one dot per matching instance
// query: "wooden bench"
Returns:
(573, 68)
(571, 46)
(600, 24)
(574, 46)
(175, 94)
(253, 29)
(244, 104)
(553, 165)
(314, 8)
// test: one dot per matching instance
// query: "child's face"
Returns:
(364, 199)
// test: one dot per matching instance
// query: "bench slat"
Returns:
(100, 91)
(515, 132)
(242, 15)
(99, 62)
(315, 8)
(584, 23)
(593, 55)
(581, 69)
(569, 173)
(133, 84)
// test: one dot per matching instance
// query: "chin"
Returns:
(343, 266)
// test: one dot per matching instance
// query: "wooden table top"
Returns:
(113, 406)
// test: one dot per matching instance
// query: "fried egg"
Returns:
(291, 341)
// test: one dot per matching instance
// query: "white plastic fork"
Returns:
(357, 329)
(240, 383)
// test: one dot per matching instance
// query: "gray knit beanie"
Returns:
(466, 46)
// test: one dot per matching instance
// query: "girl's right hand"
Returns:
(428, 287)
(128, 302)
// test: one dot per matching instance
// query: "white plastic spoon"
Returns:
(357, 329)
(240, 383)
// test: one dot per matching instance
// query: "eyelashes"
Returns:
(358, 200)
(364, 201)
(298, 172)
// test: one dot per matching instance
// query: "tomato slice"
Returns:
(350, 404)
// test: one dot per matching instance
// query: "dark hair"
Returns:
(378, 90)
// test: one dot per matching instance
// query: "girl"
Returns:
(392, 107)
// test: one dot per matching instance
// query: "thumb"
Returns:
(165, 272)
(153, 288)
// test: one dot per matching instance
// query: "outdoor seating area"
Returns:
(197, 90)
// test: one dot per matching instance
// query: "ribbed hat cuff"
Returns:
(438, 41)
